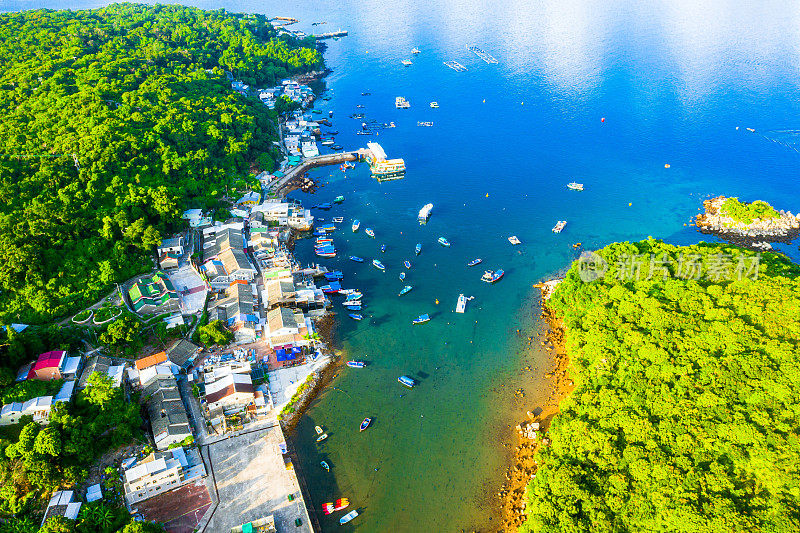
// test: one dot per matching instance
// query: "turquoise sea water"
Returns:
(673, 80)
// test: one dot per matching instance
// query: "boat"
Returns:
(356, 259)
(327, 228)
(480, 53)
(333, 276)
(365, 424)
(356, 316)
(424, 213)
(406, 63)
(415, 50)
(322, 437)
(346, 518)
(421, 319)
(336, 147)
(455, 65)
(333, 288)
(338, 505)
(402, 276)
(353, 306)
(461, 305)
(327, 142)
(514, 240)
(324, 206)
(405, 290)
(575, 186)
(323, 240)
(326, 253)
(490, 276)
(366, 94)
(325, 465)
(401, 103)
(332, 132)
(369, 232)
(338, 220)
(316, 111)
(418, 248)
(356, 364)
(444, 242)
(377, 264)
(559, 226)
(338, 199)
(474, 262)
(318, 429)
(407, 381)
(434, 105)
(383, 248)
(353, 296)
(425, 124)
(356, 225)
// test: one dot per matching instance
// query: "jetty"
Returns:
(331, 35)
(280, 22)
(284, 185)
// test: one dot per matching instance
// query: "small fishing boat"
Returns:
(402, 276)
(461, 304)
(377, 264)
(325, 465)
(407, 381)
(352, 306)
(490, 276)
(575, 186)
(327, 142)
(383, 248)
(338, 199)
(475, 262)
(418, 248)
(323, 240)
(407, 264)
(356, 259)
(434, 105)
(444, 242)
(333, 132)
(326, 253)
(369, 232)
(406, 63)
(366, 94)
(405, 290)
(365, 424)
(324, 206)
(356, 364)
(356, 316)
(338, 505)
(338, 220)
(331, 288)
(333, 276)
(346, 518)
(353, 296)
(322, 437)
(514, 240)
(415, 50)
(336, 147)
(559, 226)
(421, 319)
(318, 429)
(356, 225)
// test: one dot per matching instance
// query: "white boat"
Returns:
(346, 518)
(461, 305)
(322, 437)
(415, 50)
(401, 103)
(575, 186)
(425, 213)
(559, 226)
(406, 63)
(514, 240)
(434, 105)
(318, 430)
(356, 224)
(338, 220)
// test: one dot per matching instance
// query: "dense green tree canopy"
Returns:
(686, 405)
(112, 121)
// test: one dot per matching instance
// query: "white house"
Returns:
(172, 245)
(160, 472)
(39, 408)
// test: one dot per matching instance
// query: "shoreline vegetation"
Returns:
(683, 412)
(753, 225)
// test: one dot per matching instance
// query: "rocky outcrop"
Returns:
(757, 234)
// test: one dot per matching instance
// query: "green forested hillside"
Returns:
(139, 95)
(686, 408)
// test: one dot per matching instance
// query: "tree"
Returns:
(100, 389)
(58, 524)
(214, 333)
(48, 442)
(124, 331)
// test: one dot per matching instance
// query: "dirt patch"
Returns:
(524, 466)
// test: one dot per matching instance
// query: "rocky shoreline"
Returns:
(756, 235)
(532, 432)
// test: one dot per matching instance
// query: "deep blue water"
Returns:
(673, 80)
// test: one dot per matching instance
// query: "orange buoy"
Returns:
(666, 165)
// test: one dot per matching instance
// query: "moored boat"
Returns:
(338, 505)
(356, 316)
(333, 276)
(407, 381)
(318, 429)
(514, 240)
(332, 288)
(383, 248)
(356, 364)
(418, 248)
(356, 259)
(402, 276)
(575, 186)
(421, 319)
(461, 305)
(356, 224)
(365, 424)
(325, 465)
(474, 262)
(406, 63)
(559, 226)
(405, 290)
(434, 105)
(407, 264)
(424, 213)
(354, 296)
(352, 306)
(490, 276)
(322, 437)
(444, 242)
(338, 220)
(324, 206)
(369, 232)
(415, 50)
(377, 264)
(346, 518)
(338, 199)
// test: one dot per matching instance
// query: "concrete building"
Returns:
(173, 245)
(182, 353)
(168, 419)
(160, 472)
(225, 260)
(237, 311)
(49, 365)
(154, 295)
(104, 365)
(39, 408)
(231, 392)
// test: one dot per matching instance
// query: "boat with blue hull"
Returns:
(418, 248)
(370, 232)
(356, 364)
(355, 316)
(492, 276)
(421, 319)
(356, 225)
(383, 248)
(402, 276)
(356, 259)
(407, 381)
(353, 306)
(354, 296)
(444, 242)
(475, 262)
(377, 264)
(405, 290)
(407, 264)
(333, 276)
(365, 424)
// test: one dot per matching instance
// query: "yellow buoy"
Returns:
(484, 100)
(487, 195)
(666, 166)
(437, 301)
(629, 204)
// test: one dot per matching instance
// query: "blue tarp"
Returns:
(297, 350)
(283, 356)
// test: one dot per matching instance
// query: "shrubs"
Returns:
(747, 213)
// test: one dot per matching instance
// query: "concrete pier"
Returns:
(282, 186)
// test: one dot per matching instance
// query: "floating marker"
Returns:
(603, 119)
(666, 165)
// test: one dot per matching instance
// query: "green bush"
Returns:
(747, 213)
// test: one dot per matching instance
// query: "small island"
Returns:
(752, 224)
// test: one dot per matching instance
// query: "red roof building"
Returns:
(48, 366)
